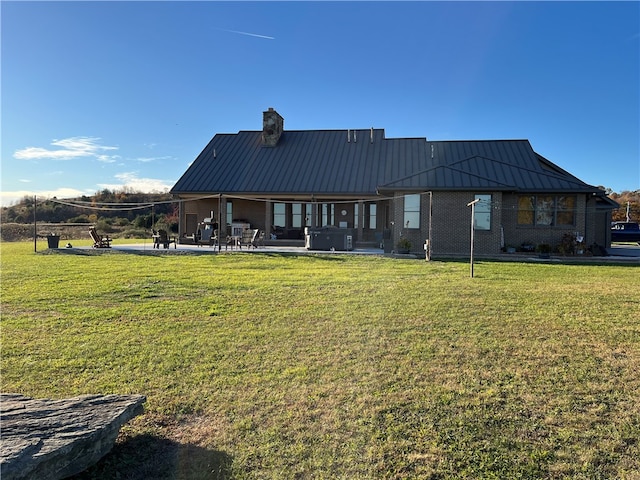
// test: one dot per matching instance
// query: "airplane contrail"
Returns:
(247, 33)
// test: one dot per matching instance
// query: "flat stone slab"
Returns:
(54, 439)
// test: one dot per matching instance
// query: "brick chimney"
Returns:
(272, 127)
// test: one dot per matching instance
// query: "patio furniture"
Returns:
(207, 233)
(211, 239)
(249, 238)
(233, 240)
(161, 237)
(99, 241)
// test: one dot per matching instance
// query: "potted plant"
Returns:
(527, 247)
(544, 250)
(580, 247)
(403, 245)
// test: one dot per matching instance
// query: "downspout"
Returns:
(586, 220)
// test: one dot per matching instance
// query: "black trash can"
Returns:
(53, 241)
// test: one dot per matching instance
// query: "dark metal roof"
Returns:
(330, 162)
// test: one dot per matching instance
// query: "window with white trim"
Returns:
(411, 211)
(328, 213)
(296, 215)
(482, 213)
(373, 216)
(229, 212)
(279, 215)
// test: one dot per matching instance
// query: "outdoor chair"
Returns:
(99, 241)
(249, 238)
(233, 241)
(164, 239)
(206, 237)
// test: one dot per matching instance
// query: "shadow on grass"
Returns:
(147, 456)
(320, 255)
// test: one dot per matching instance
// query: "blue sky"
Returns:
(112, 94)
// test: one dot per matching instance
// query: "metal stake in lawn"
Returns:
(473, 211)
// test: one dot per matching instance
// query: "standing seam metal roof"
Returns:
(317, 162)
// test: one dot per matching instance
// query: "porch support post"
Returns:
(314, 212)
(181, 218)
(267, 219)
(360, 220)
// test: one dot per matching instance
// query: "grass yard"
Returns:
(335, 366)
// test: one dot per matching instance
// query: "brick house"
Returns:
(384, 189)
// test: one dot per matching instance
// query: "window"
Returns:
(526, 210)
(566, 210)
(482, 213)
(373, 215)
(328, 213)
(296, 215)
(308, 215)
(229, 212)
(412, 211)
(279, 215)
(544, 210)
(356, 215)
(547, 210)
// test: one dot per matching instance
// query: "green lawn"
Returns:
(335, 366)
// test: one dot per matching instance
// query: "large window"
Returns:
(482, 213)
(356, 215)
(229, 212)
(373, 216)
(328, 213)
(547, 210)
(412, 211)
(279, 215)
(296, 215)
(566, 210)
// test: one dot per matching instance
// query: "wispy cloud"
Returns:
(152, 159)
(247, 33)
(130, 180)
(69, 149)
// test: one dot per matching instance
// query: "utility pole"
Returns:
(628, 205)
(473, 212)
(35, 229)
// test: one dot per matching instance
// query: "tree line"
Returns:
(109, 210)
(630, 198)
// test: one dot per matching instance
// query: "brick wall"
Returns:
(451, 224)
(450, 221)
